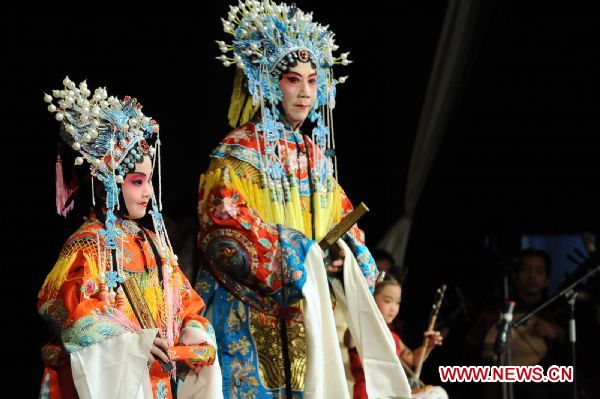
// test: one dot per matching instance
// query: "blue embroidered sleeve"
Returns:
(294, 247)
(205, 286)
(364, 259)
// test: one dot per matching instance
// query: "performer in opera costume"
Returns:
(99, 349)
(269, 195)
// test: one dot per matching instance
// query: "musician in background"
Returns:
(539, 341)
(387, 295)
(385, 262)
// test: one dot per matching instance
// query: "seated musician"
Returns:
(537, 342)
(387, 295)
(385, 262)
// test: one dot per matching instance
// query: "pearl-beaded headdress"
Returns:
(112, 135)
(267, 39)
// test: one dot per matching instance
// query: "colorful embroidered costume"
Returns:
(269, 195)
(259, 262)
(99, 349)
(74, 302)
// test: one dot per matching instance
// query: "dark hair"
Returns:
(289, 61)
(388, 279)
(530, 252)
(383, 254)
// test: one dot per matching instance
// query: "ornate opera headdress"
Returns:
(112, 135)
(268, 39)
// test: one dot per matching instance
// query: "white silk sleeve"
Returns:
(115, 368)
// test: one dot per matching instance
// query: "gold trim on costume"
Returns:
(265, 333)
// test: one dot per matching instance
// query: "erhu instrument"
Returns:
(435, 309)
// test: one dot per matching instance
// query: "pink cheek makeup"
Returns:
(131, 185)
(134, 182)
(285, 83)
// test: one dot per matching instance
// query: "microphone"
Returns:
(504, 328)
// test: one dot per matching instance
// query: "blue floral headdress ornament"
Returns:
(268, 38)
(112, 135)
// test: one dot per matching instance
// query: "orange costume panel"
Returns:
(81, 311)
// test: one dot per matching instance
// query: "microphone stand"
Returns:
(508, 266)
(505, 359)
(570, 295)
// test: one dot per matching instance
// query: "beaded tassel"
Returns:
(120, 302)
(102, 290)
(111, 296)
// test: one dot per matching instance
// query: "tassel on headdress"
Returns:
(241, 109)
(63, 191)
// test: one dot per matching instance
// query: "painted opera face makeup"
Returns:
(388, 302)
(137, 189)
(299, 88)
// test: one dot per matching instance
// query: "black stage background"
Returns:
(519, 155)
